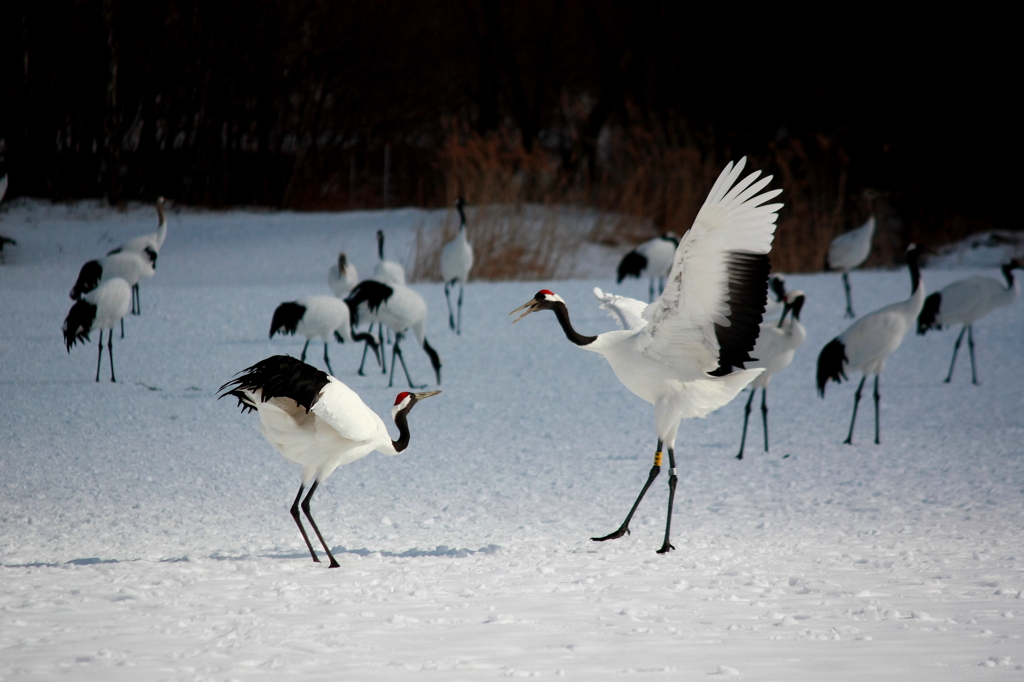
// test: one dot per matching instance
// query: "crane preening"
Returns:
(684, 353)
(317, 422)
(868, 342)
(964, 302)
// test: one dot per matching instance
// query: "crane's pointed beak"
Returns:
(426, 394)
(532, 308)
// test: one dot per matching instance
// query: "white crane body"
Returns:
(964, 302)
(316, 422)
(318, 317)
(867, 343)
(99, 309)
(456, 262)
(685, 352)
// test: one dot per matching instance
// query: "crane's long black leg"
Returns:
(451, 318)
(764, 415)
(956, 347)
(878, 399)
(970, 347)
(401, 359)
(138, 299)
(365, 346)
(298, 522)
(305, 508)
(667, 547)
(650, 289)
(303, 358)
(122, 328)
(394, 351)
(458, 325)
(856, 399)
(746, 418)
(380, 338)
(110, 352)
(327, 360)
(100, 358)
(849, 299)
(624, 528)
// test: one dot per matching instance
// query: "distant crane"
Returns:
(126, 265)
(148, 246)
(966, 301)
(679, 352)
(342, 277)
(848, 251)
(320, 317)
(317, 422)
(398, 308)
(776, 345)
(652, 259)
(866, 343)
(456, 262)
(99, 309)
(387, 271)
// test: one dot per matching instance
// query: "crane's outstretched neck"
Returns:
(562, 313)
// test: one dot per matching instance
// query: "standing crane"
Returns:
(652, 259)
(398, 308)
(127, 265)
(99, 309)
(848, 251)
(456, 262)
(317, 422)
(868, 342)
(147, 246)
(320, 317)
(342, 276)
(679, 353)
(776, 345)
(966, 301)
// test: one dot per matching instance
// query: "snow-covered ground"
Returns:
(145, 535)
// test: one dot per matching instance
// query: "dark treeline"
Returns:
(302, 103)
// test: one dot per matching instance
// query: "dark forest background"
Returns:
(630, 107)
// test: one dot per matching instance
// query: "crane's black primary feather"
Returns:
(279, 376)
(926, 320)
(631, 265)
(830, 364)
(370, 292)
(747, 295)
(78, 323)
(88, 279)
(286, 318)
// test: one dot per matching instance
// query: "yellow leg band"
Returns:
(657, 459)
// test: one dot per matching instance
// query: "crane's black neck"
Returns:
(402, 422)
(913, 257)
(1008, 274)
(380, 245)
(341, 264)
(562, 313)
(462, 216)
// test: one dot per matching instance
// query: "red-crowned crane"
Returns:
(320, 317)
(964, 302)
(342, 276)
(679, 353)
(317, 422)
(387, 271)
(148, 246)
(652, 259)
(456, 262)
(866, 343)
(776, 345)
(128, 265)
(99, 309)
(398, 308)
(848, 251)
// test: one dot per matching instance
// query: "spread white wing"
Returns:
(628, 312)
(714, 300)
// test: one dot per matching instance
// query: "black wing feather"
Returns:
(747, 282)
(631, 265)
(286, 318)
(279, 376)
(370, 292)
(78, 323)
(830, 364)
